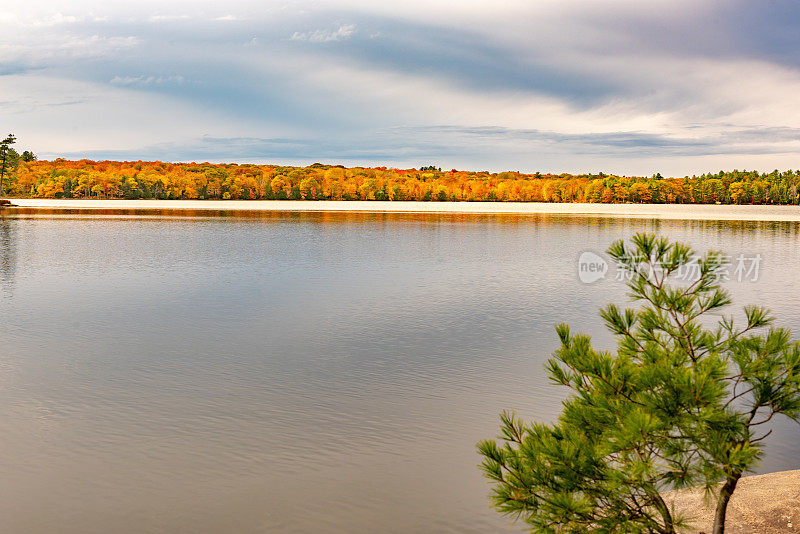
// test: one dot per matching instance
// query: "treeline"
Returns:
(158, 180)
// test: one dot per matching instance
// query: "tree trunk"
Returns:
(663, 510)
(722, 504)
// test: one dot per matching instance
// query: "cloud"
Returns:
(41, 52)
(325, 36)
(639, 144)
(167, 18)
(55, 20)
(84, 116)
(527, 150)
(42, 20)
(146, 80)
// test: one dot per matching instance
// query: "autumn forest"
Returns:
(157, 180)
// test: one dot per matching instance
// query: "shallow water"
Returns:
(181, 371)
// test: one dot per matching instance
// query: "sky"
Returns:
(677, 87)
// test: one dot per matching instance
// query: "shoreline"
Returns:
(761, 504)
(638, 211)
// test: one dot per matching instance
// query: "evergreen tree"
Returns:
(6, 156)
(678, 404)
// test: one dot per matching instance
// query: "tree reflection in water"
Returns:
(8, 254)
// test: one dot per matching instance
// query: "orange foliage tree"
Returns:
(154, 179)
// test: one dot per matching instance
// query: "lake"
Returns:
(197, 371)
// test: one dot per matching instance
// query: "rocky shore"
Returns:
(762, 504)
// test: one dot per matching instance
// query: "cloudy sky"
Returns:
(677, 87)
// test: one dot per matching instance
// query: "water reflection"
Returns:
(600, 222)
(8, 254)
(199, 371)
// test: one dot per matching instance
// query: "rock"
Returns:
(763, 504)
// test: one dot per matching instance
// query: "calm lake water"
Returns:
(298, 372)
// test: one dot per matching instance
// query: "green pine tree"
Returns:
(7, 156)
(678, 404)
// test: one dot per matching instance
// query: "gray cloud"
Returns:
(142, 80)
(404, 146)
(637, 144)
(716, 29)
(341, 33)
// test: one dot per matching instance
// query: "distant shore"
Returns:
(637, 211)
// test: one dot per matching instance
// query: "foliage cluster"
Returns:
(140, 179)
